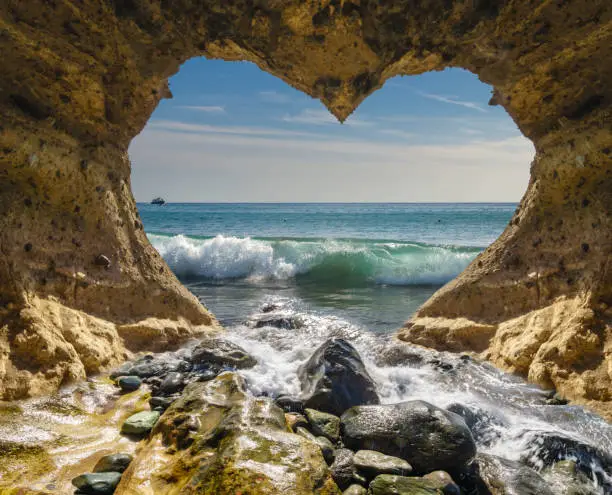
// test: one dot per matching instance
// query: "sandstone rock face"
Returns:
(79, 81)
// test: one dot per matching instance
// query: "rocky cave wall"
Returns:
(80, 80)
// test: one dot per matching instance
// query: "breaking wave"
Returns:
(342, 262)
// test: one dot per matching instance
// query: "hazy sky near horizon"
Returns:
(235, 133)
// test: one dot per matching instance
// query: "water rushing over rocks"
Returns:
(520, 436)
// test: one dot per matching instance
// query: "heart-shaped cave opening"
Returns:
(268, 197)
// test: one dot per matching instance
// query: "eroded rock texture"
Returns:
(80, 80)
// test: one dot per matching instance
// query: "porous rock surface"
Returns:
(80, 80)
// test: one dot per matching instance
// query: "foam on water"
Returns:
(517, 410)
(351, 262)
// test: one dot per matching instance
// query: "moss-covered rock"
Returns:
(216, 439)
(387, 484)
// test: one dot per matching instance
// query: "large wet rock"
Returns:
(217, 439)
(428, 437)
(496, 476)
(129, 383)
(222, 353)
(335, 379)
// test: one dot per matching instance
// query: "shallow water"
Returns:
(516, 413)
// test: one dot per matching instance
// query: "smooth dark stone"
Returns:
(290, 404)
(343, 468)
(97, 483)
(172, 384)
(113, 463)
(221, 352)
(129, 383)
(203, 373)
(335, 379)
(428, 437)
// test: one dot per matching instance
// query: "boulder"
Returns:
(140, 424)
(222, 353)
(129, 383)
(428, 437)
(113, 463)
(389, 484)
(335, 379)
(97, 483)
(343, 469)
(496, 476)
(324, 424)
(371, 464)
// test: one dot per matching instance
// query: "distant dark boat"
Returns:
(158, 201)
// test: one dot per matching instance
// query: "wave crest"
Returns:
(330, 261)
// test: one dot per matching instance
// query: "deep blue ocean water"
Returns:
(372, 264)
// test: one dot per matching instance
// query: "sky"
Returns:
(233, 133)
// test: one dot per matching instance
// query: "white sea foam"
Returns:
(354, 262)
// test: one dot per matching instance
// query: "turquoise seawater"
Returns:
(370, 264)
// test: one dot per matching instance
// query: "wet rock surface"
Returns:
(371, 463)
(221, 353)
(324, 424)
(387, 484)
(140, 424)
(116, 463)
(427, 437)
(335, 379)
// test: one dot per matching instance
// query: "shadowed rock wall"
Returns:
(80, 80)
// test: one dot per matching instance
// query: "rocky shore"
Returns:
(187, 422)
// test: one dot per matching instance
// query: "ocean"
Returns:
(370, 264)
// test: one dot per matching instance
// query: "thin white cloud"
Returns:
(453, 101)
(207, 109)
(397, 133)
(274, 97)
(184, 127)
(311, 116)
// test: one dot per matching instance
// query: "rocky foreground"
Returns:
(204, 432)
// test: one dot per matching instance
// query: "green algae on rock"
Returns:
(140, 423)
(217, 439)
